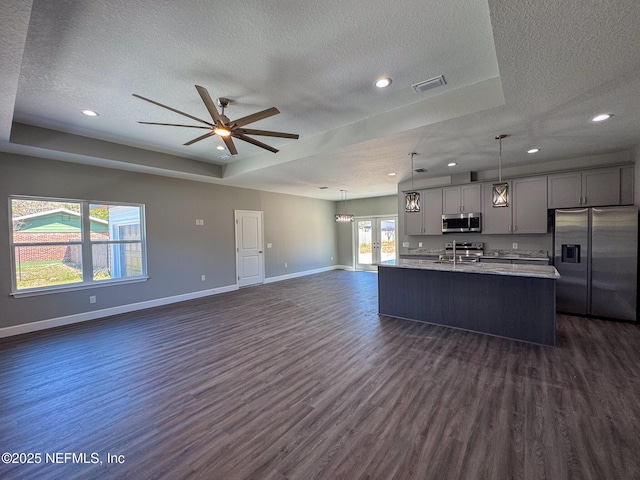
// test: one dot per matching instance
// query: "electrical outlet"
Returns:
(285, 265)
(419, 244)
(514, 245)
(203, 277)
(405, 244)
(92, 299)
(331, 258)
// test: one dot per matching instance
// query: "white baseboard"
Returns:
(346, 267)
(300, 274)
(106, 312)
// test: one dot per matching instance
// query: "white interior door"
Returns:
(375, 241)
(249, 250)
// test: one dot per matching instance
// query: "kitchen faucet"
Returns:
(454, 254)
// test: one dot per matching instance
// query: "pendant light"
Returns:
(500, 190)
(412, 198)
(343, 217)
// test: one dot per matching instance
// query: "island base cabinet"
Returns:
(519, 308)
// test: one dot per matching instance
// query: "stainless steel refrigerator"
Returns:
(596, 254)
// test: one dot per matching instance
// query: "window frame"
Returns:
(86, 245)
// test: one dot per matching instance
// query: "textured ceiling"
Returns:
(536, 70)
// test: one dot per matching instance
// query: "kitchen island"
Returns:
(512, 301)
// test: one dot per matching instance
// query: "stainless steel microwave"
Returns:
(461, 222)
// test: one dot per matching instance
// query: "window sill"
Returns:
(32, 292)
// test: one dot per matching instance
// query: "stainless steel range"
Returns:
(462, 251)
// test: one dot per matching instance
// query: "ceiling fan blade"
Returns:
(206, 135)
(230, 146)
(254, 117)
(206, 98)
(267, 133)
(239, 136)
(172, 109)
(175, 125)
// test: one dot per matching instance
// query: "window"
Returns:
(59, 243)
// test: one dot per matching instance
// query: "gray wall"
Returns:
(302, 231)
(360, 208)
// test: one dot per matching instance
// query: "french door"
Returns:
(374, 241)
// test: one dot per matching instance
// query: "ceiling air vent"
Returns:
(420, 170)
(224, 156)
(429, 84)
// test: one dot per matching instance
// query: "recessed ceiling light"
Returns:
(392, 174)
(220, 147)
(533, 150)
(383, 82)
(602, 117)
(451, 164)
(90, 113)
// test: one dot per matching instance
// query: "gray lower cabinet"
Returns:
(519, 261)
(516, 307)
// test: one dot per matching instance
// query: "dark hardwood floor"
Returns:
(302, 379)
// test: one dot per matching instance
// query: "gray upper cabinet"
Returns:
(626, 185)
(428, 221)
(601, 187)
(527, 210)
(495, 220)
(584, 189)
(529, 205)
(464, 198)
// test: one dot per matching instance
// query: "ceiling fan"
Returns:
(222, 126)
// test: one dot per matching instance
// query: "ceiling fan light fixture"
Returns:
(222, 131)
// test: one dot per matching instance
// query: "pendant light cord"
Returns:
(412, 154)
(499, 138)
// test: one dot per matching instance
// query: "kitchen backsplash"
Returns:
(526, 244)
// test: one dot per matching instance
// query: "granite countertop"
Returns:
(500, 254)
(517, 254)
(538, 271)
